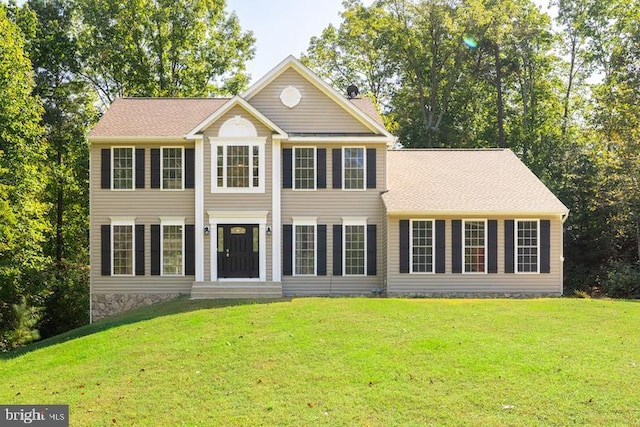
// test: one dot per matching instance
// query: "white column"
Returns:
(276, 220)
(199, 206)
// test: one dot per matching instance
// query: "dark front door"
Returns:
(238, 250)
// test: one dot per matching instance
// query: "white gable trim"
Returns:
(292, 62)
(236, 100)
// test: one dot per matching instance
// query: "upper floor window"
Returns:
(238, 156)
(123, 162)
(422, 246)
(354, 166)
(172, 168)
(527, 246)
(475, 250)
(304, 168)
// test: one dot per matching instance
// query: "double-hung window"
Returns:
(123, 162)
(422, 246)
(355, 247)
(122, 250)
(305, 247)
(172, 168)
(475, 246)
(304, 159)
(239, 166)
(354, 167)
(527, 246)
(172, 239)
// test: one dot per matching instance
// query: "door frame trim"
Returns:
(238, 217)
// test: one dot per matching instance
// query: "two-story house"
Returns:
(290, 189)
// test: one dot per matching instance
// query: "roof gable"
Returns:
(322, 101)
(465, 182)
(220, 112)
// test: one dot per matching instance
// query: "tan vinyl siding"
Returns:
(424, 284)
(147, 206)
(316, 112)
(330, 206)
(236, 201)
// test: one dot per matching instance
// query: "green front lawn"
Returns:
(346, 361)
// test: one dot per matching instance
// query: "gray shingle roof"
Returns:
(465, 181)
(154, 117)
(172, 117)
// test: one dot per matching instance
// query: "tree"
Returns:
(161, 48)
(22, 214)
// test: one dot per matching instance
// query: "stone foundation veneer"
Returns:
(107, 305)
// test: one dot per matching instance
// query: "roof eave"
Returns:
(479, 212)
(134, 138)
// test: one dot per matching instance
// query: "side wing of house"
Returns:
(474, 223)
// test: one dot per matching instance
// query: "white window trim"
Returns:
(133, 168)
(515, 245)
(315, 169)
(162, 169)
(313, 221)
(171, 221)
(115, 221)
(353, 221)
(433, 246)
(364, 172)
(241, 141)
(464, 246)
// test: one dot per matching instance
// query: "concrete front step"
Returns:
(228, 290)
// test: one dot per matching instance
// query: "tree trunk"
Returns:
(500, 104)
(572, 64)
(60, 210)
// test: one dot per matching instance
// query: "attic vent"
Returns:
(290, 96)
(352, 91)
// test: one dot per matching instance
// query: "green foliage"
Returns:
(622, 281)
(23, 331)
(161, 48)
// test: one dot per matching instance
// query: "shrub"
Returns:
(622, 280)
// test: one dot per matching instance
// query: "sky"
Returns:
(284, 27)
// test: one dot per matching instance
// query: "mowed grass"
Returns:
(347, 361)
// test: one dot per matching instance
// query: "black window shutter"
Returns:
(139, 167)
(337, 167)
(190, 250)
(508, 246)
(545, 246)
(440, 246)
(321, 267)
(155, 168)
(155, 249)
(456, 246)
(492, 246)
(139, 249)
(287, 249)
(371, 168)
(105, 169)
(287, 168)
(372, 250)
(321, 166)
(105, 249)
(189, 167)
(337, 250)
(404, 246)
